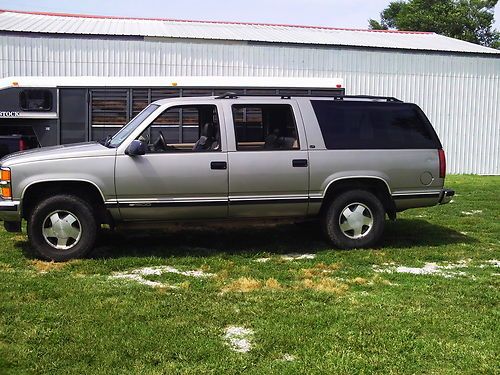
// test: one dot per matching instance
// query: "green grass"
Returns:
(333, 314)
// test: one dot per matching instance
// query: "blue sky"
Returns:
(336, 13)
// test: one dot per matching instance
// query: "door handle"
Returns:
(299, 162)
(218, 165)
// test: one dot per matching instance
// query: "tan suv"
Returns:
(347, 160)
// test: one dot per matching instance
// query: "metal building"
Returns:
(456, 83)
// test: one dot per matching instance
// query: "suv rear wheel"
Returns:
(354, 219)
(62, 227)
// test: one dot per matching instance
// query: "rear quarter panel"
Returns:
(406, 171)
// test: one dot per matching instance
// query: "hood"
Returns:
(76, 150)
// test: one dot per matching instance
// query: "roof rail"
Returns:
(232, 95)
(368, 97)
(228, 95)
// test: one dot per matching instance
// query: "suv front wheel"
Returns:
(62, 227)
(354, 219)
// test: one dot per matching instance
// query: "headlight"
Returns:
(5, 186)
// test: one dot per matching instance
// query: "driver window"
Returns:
(184, 129)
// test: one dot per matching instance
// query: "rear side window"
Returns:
(265, 127)
(373, 125)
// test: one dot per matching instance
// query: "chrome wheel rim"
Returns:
(62, 230)
(356, 220)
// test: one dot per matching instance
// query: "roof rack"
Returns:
(368, 97)
(232, 95)
(228, 95)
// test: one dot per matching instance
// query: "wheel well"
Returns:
(83, 190)
(373, 185)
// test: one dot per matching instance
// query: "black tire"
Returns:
(64, 206)
(369, 206)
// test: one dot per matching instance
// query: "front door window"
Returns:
(184, 129)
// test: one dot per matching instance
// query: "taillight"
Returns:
(22, 145)
(5, 180)
(442, 163)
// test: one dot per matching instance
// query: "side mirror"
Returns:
(136, 148)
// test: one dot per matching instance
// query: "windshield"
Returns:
(124, 132)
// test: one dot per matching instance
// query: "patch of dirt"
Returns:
(327, 285)
(473, 212)
(45, 267)
(273, 284)
(138, 275)
(141, 280)
(491, 263)
(290, 257)
(320, 269)
(262, 260)
(287, 257)
(377, 279)
(447, 270)
(359, 281)
(239, 338)
(167, 269)
(288, 358)
(248, 284)
(243, 284)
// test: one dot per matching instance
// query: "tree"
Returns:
(496, 40)
(469, 20)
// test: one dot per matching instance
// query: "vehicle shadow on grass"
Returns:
(279, 239)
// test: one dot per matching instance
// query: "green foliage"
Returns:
(496, 40)
(469, 20)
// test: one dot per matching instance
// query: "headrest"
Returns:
(208, 130)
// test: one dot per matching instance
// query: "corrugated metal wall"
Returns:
(460, 93)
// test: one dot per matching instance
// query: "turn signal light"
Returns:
(6, 192)
(5, 188)
(5, 175)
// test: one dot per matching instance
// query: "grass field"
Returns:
(250, 307)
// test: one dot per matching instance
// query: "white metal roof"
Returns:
(191, 81)
(16, 21)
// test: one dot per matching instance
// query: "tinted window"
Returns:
(35, 100)
(373, 125)
(265, 127)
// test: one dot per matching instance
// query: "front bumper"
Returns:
(10, 210)
(446, 196)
